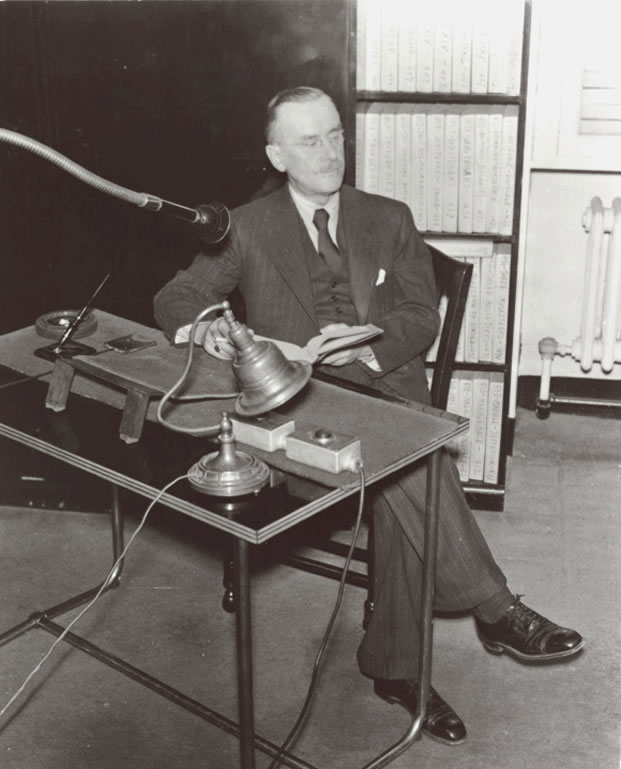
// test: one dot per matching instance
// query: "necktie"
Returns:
(326, 247)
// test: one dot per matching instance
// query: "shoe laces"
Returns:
(525, 616)
(438, 709)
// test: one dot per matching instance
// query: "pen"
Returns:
(78, 318)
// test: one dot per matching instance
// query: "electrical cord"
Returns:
(328, 631)
(89, 605)
(322, 647)
(171, 394)
(25, 379)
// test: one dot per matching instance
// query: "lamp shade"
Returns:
(265, 377)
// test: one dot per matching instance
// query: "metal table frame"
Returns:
(242, 539)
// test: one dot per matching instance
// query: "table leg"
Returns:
(429, 582)
(38, 618)
(244, 655)
(429, 575)
(134, 414)
(60, 385)
(245, 730)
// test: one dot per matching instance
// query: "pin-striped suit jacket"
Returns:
(265, 255)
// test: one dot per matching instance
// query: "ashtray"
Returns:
(53, 325)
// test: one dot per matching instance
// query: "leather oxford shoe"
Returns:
(527, 636)
(441, 722)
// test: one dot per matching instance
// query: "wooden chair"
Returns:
(452, 281)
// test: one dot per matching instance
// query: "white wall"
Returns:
(561, 176)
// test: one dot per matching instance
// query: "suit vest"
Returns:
(331, 291)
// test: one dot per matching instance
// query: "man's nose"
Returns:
(329, 149)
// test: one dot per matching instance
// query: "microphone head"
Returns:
(214, 222)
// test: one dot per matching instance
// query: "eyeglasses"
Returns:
(334, 140)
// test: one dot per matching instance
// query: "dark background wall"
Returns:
(159, 97)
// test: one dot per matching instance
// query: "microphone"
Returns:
(214, 222)
(211, 220)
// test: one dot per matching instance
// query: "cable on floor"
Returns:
(90, 604)
(328, 631)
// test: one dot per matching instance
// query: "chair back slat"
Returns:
(453, 281)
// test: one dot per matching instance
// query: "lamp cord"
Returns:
(328, 631)
(90, 604)
(172, 393)
(30, 378)
(322, 647)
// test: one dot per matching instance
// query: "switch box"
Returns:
(324, 449)
(268, 431)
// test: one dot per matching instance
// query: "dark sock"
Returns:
(492, 610)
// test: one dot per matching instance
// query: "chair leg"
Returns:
(369, 604)
(228, 578)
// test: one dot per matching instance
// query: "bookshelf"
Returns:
(438, 114)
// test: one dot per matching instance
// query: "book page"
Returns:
(335, 339)
(290, 350)
(322, 344)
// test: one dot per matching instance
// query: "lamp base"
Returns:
(68, 350)
(228, 472)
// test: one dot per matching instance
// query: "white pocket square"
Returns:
(381, 276)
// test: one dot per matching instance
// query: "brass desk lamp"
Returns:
(266, 380)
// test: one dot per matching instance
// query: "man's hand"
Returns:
(347, 355)
(217, 341)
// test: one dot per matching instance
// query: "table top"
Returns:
(86, 435)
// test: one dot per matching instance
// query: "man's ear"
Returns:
(273, 153)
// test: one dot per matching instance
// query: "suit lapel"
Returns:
(357, 220)
(283, 231)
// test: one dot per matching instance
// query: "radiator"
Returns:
(600, 329)
(600, 325)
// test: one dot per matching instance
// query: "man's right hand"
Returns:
(217, 341)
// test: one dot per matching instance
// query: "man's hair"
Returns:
(299, 94)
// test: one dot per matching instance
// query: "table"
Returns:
(86, 436)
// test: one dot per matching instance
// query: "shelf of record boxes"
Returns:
(438, 117)
(455, 167)
(478, 453)
(468, 48)
(454, 164)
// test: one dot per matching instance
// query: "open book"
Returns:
(325, 342)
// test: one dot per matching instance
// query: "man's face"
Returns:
(307, 144)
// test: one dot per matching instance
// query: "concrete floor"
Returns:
(558, 542)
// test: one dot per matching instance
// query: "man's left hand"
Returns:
(347, 355)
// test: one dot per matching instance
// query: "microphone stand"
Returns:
(212, 221)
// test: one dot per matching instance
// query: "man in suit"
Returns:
(359, 260)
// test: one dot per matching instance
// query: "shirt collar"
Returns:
(307, 208)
